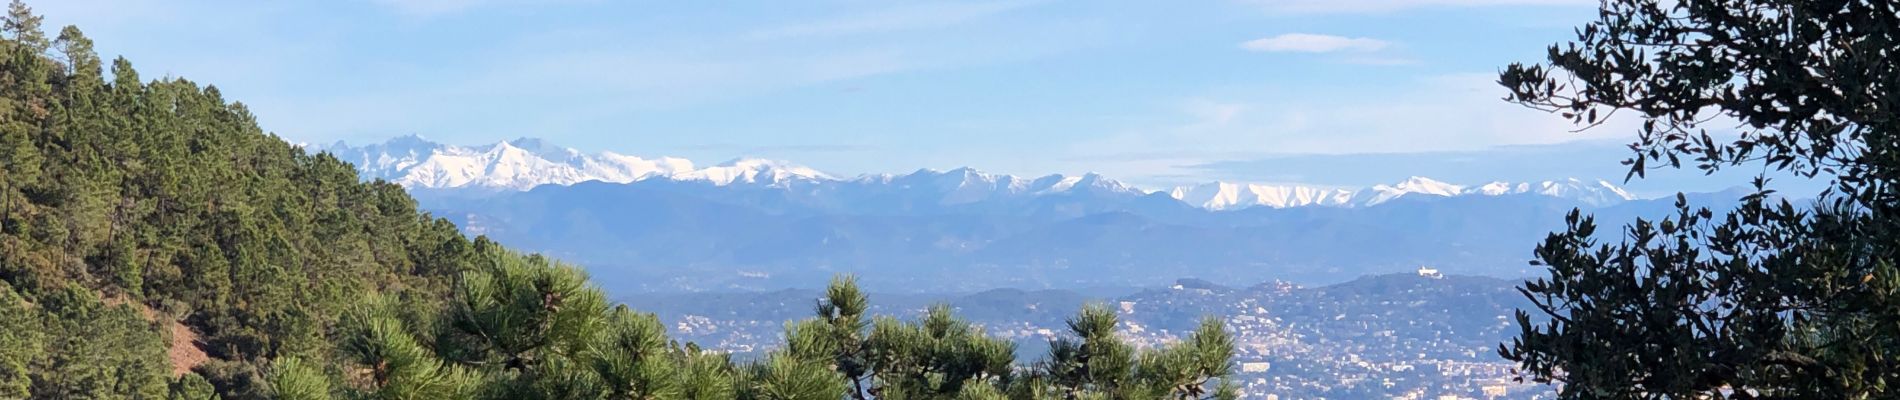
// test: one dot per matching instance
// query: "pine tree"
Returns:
(633, 360)
(936, 357)
(192, 387)
(393, 365)
(23, 27)
(21, 342)
(842, 322)
(786, 377)
(1094, 359)
(293, 379)
(706, 376)
(515, 311)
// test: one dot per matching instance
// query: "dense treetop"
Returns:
(1772, 300)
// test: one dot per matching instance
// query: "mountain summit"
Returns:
(1229, 196)
(526, 163)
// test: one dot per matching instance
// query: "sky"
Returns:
(1156, 93)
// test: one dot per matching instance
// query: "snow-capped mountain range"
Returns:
(1227, 196)
(526, 163)
(671, 224)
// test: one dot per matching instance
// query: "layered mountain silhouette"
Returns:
(649, 224)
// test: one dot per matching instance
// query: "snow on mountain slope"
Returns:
(1087, 183)
(1416, 185)
(1224, 196)
(525, 163)
(753, 170)
(1598, 193)
(967, 185)
(1229, 196)
(615, 167)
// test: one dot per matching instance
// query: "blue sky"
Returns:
(1152, 92)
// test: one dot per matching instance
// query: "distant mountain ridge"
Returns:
(1228, 196)
(526, 163)
(669, 224)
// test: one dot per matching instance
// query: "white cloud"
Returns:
(1313, 43)
(1373, 6)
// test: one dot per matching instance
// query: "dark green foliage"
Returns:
(515, 311)
(942, 356)
(234, 379)
(936, 357)
(706, 375)
(1773, 299)
(1093, 359)
(391, 364)
(525, 327)
(191, 387)
(22, 341)
(98, 351)
(837, 335)
(1186, 369)
(293, 379)
(787, 377)
(1095, 363)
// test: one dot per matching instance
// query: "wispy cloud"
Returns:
(589, 86)
(919, 16)
(1313, 43)
(1585, 159)
(1373, 6)
(781, 148)
(1379, 60)
(428, 8)
(1438, 113)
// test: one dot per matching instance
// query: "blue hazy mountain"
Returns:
(647, 224)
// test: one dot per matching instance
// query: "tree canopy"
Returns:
(1776, 298)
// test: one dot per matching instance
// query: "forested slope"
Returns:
(164, 194)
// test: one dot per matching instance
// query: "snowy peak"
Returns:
(507, 166)
(1227, 196)
(1224, 196)
(1087, 183)
(1595, 193)
(755, 170)
(1416, 185)
(544, 150)
(1423, 185)
(620, 168)
(525, 163)
(966, 185)
(968, 179)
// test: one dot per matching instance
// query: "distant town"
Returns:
(1415, 335)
